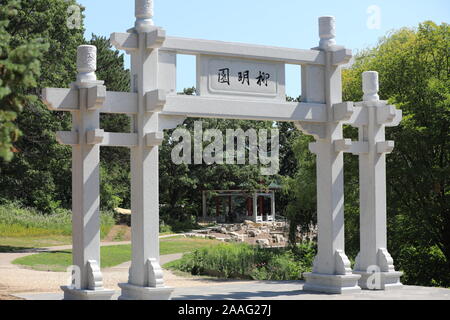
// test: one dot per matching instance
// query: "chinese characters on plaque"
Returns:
(261, 79)
(240, 78)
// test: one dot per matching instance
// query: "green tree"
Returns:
(414, 73)
(414, 67)
(39, 173)
(300, 188)
(114, 161)
(19, 70)
(181, 185)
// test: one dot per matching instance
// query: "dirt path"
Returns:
(17, 279)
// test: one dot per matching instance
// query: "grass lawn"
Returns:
(110, 255)
(23, 228)
(9, 244)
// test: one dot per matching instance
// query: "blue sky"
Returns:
(286, 23)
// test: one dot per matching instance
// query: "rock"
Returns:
(278, 238)
(220, 230)
(234, 234)
(263, 242)
(253, 232)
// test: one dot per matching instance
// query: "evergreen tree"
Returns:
(19, 69)
(114, 161)
(39, 175)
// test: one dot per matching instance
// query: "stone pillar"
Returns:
(255, 207)
(374, 263)
(204, 207)
(331, 270)
(217, 205)
(273, 205)
(87, 281)
(145, 280)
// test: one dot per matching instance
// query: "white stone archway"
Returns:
(154, 107)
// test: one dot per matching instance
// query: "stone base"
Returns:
(329, 283)
(77, 294)
(132, 292)
(387, 280)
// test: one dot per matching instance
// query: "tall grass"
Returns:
(18, 221)
(242, 261)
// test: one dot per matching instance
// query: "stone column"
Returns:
(374, 263)
(145, 280)
(331, 270)
(204, 207)
(273, 205)
(255, 207)
(87, 279)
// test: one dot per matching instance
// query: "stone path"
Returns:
(278, 290)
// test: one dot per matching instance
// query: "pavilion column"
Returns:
(374, 263)
(204, 208)
(272, 198)
(331, 270)
(249, 207)
(255, 207)
(87, 280)
(218, 206)
(261, 206)
(145, 280)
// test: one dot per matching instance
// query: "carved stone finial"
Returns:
(327, 31)
(370, 86)
(86, 63)
(144, 14)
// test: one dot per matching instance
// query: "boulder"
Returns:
(278, 238)
(234, 234)
(253, 232)
(221, 230)
(263, 242)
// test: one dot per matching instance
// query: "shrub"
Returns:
(423, 266)
(243, 261)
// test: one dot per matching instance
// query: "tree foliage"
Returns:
(39, 172)
(414, 68)
(181, 185)
(114, 161)
(19, 71)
